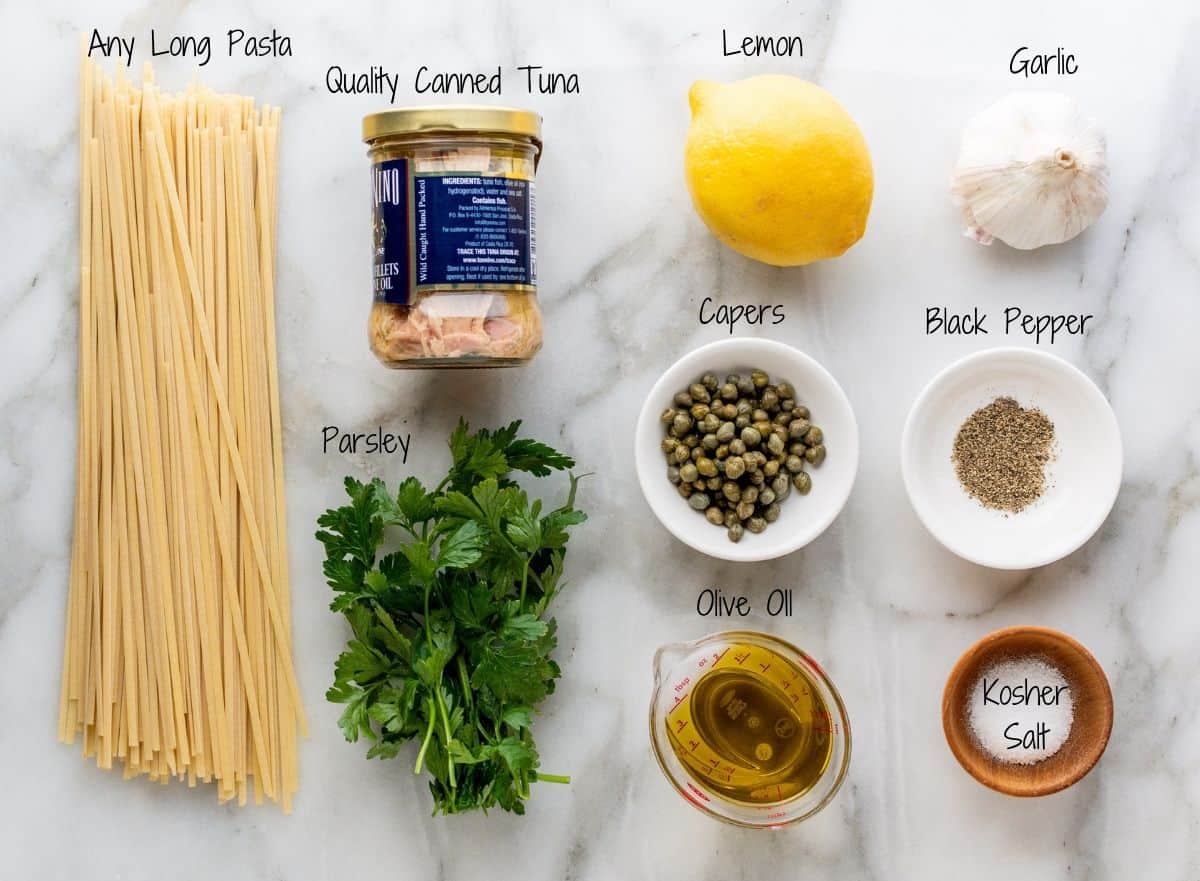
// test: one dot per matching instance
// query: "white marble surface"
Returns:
(624, 265)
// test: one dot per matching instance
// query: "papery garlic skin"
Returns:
(1032, 171)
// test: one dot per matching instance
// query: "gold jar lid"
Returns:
(466, 119)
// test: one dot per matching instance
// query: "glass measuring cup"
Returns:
(679, 667)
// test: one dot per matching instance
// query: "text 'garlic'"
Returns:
(1032, 171)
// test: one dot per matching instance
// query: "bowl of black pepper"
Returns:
(1012, 458)
(746, 449)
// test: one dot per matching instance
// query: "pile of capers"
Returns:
(736, 449)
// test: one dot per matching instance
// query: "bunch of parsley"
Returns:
(451, 644)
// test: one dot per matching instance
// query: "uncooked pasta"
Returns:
(178, 655)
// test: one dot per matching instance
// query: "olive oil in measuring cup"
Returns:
(757, 734)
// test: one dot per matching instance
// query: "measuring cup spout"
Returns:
(665, 658)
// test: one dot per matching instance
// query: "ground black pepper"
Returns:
(1000, 454)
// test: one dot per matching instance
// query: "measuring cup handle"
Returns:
(667, 654)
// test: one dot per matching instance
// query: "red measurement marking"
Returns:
(742, 658)
(702, 663)
(795, 698)
(764, 667)
(693, 790)
(683, 683)
(678, 701)
(694, 745)
(680, 724)
(776, 816)
(714, 762)
(718, 655)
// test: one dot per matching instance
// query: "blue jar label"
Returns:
(450, 230)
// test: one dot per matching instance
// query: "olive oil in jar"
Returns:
(752, 728)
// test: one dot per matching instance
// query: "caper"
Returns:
(794, 464)
(766, 496)
(763, 428)
(691, 440)
(745, 385)
(668, 415)
(714, 516)
(801, 412)
(799, 428)
(786, 405)
(745, 510)
(729, 392)
(713, 484)
(750, 494)
(759, 458)
(698, 501)
(697, 452)
(735, 533)
(710, 423)
(735, 467)
(780, 484)
(669, 444)
(786, 390)
(681, 424)
(775, 444)
(771, 514)
(685, 489)
(802, 482)
(751, 436)
(699, 411)
(709, 442)
(736, 447)
(815, 437)
(758, 414)
(759, 378)
(744, 407)
(771, 468)
(709, 381)
(722, 451)
(681, 454)
(757, 478)
(742, 420)
(726, 432)
(732, 491)
(683, 399)
(689, 473)
(735, 378)
(699, 393)
(706, 466)
(815, 455)
(673, 474)
(756, 524)
(729, 411)
(770, 400)
(797, 449)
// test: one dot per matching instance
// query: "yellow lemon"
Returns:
(777, 169)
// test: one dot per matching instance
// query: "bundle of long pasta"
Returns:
(178, 659)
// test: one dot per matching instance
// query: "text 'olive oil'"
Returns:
(752, 727)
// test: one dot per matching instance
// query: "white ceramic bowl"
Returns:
(1082, 479)
(802, 518)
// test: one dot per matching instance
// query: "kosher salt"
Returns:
(1020, 710)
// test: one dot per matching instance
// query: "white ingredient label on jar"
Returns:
(450, 230)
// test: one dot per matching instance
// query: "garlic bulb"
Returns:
(1033, 171)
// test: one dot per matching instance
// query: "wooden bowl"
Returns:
(1090, 728)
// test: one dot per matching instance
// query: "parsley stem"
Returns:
(524, 581)
(446, 727)
(550, 778)
(424, 746)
